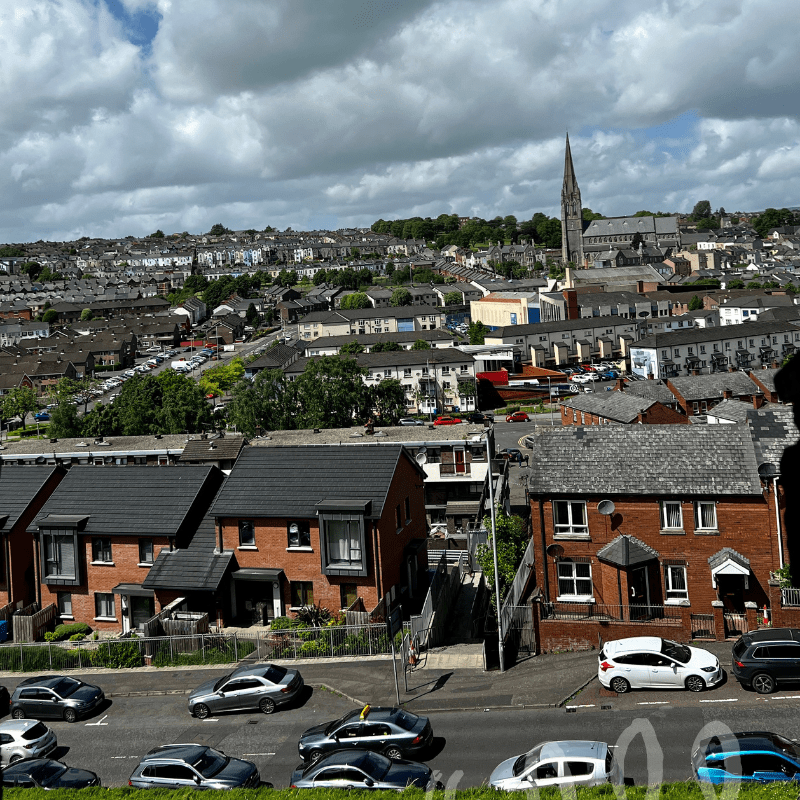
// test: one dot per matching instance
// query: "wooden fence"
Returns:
(28, 627)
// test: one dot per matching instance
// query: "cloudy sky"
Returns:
(123, 116)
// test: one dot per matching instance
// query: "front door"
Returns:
(142, 609)
(639, 592)
(459, 457)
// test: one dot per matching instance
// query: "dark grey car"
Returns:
(193, 766)
(762, 659)
(43, 773)
(263, 687)
(55, 697)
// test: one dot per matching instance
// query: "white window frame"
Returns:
(699, 528)
(665, 518)
(570, 529)
(675, 595)
(571, 567)
(105, 601)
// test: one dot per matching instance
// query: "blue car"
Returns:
(754, 756)
(41, 416)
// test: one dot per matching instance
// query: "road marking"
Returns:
(207, 719)
(722, 700)
(787, 697)
(99, 722)
(124, 757)
(587, 705)
(654, 703)
(258, 754)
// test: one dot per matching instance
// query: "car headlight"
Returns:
(709, 669)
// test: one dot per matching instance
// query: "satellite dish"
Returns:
(768, 470)
(422, 458)
(606, 508)
(555, 550)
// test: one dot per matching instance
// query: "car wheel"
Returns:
(394, 753)
(694, 683)
(763, 683)
(267, 705)
(70, 715)
(314, 756)
(620, 685)
(18, 713)
(201, 711)
(15, 758)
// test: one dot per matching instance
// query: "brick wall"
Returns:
(657, 414)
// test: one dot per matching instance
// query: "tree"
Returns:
(269, 317)
(453, 298)
(420, 344)
(64, 421)
(356, 300)
(695, 303)
(218, 230)
(701, 210)
(588, 215)
(18, 402)
(754, 285)
(736, 283)
(772, 218)
(477, 333)
(86, 314)
(11, 252)
(352, 348)
(400, 297)
(389, 400)
(511, 545)
(708, 224)
(385, 347)
(159, 234)
(183, 405)
(251, 315)
(50, 316)
(389, 269)
(221, 379)
(260, 403)
(31, 269)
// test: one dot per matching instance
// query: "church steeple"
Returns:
(571, 214)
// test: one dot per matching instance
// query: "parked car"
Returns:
(448, 421)
(41, 416)
(263, 687)
(43, 773)
(580, 377)
(568, 763)
(410, 421)
(649, 662)
(762, 659)
(55, 696)
(518, 416)
(511, 454)
(25, 738)
(392, 731)
(193, 766)
(755, 756)
(480, 416)
(362, 769)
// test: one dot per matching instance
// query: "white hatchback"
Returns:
(649, 662)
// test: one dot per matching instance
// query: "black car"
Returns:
(43, 773)
(392, 731)
(480, 416)
(56, 697)
(511, 454)
(362, 769)
(762, 659)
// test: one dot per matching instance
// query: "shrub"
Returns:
(50, 636)
(66, 631)
(76, 637)
(117, 655)
(284, 623)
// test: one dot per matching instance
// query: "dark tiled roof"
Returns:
(732, 410)
(747, 330)
(205, 450)
(290, 481)
(704, 387)
(18, 487)
(144, 501)
(721, 556)
(616, 406)
(626, 551)
(766, 377)
(196, 567)
(651, 390)
(645, 459)
(773, 430)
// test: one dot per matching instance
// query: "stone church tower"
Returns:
(571, 214)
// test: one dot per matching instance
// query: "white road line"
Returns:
(210, 720)
(258, 754)
(587, 705)
(722, 700)
(99, 722)
(787, 697)
(654, 703)
(117, 757)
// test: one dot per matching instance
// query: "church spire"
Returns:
(570, 184)
(571, 214)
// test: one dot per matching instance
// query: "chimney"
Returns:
(571, 300)
(727, 394)
(619, 386)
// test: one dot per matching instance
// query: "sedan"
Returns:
(42, 773)
(193, 766)
(649, 662)
(410, 421)
(25, 738)
(362, 769)
(582, 378)
(518, 416)
(41, 416)
(392, 731)
(755, 756)
(55, 696)
(557, 764)
(448, 421)
(263, 687)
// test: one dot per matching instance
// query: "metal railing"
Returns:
(790, 597)
(735, 623)
(517, 588)
(667, 615)
(703, 626)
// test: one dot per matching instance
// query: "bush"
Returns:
(117, 655)
(50, 636)
(76, 637)
(284, 623)
(66, 631)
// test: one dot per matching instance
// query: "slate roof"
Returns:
(616, 406)
(274, 357)
(205, 450)
(773, 430)
(18, 488)
(627, 551)
(704, 387)
(721, 556)
(651, 390)
(645, 459)
(134, 500)
(746, 330)
(291, 481)
(766, 377)
(732, 410)
(193, 568)
(367, 339)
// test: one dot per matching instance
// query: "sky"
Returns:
(120, 117)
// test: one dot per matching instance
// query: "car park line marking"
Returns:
(587, 705)
(117, 757)
(208, 719)
(99, 722)
(257, 754)
(654, 703)
(722, 700)
(787, 697)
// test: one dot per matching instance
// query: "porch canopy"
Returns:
(132, 589)
(728, 562)
(626, 551)
(257, 574)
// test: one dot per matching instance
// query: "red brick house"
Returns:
(602, 408)
(322, 524)
(656, 530)
(97, 536)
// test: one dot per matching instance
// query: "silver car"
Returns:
(263, 687)
(25, 738)
(193, 766)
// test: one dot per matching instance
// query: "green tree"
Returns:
(708, 224)
(477, 333)
(772, 218)
(420, 344)
(356, 300)
(389, 269)
(352, 348)
(251, 315)
(260, 403)
(511, 544)
(695, 303)
(221, 379)
(31, 269)
(736, 283)
(400, 297)
(11, 252)
(64, 421)
(86, 314)
(588, 215)
(701, 210)
(389, 401)
(453, 298)
(218, 230)
(18, 402)
(385, 347)
(754, 285)
(159, 234)
(183, 406)
(791, 288)
(50, 316)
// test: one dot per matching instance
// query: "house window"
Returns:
(671, 515)
(398, 518)
(574, 579)
(64, 602)
(145, 551)
(675, 580)
(343, 543)
(104, 605)
(101, 551)
(247, 533)
(445, 384)
(445, 370)
(349, 594)
(705, 515)
(570, 518)
(408, 510)
(299, 534)
(302, 593)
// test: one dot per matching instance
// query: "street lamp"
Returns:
(494, 557)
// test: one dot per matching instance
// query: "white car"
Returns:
(582, 377)
(568, 763)
(25, 738)
(649, 662)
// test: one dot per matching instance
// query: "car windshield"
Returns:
(210, 763)
(337, 722)
(275, 674)
(36, 732)
(785, 746)
(677, 651)
(222, 681)
(374, 764)
(526, 761)
(47, 771)
(66, 687)
(405, 720)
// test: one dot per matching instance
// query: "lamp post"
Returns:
(494, 557)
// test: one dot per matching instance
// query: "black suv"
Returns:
(763, 659)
